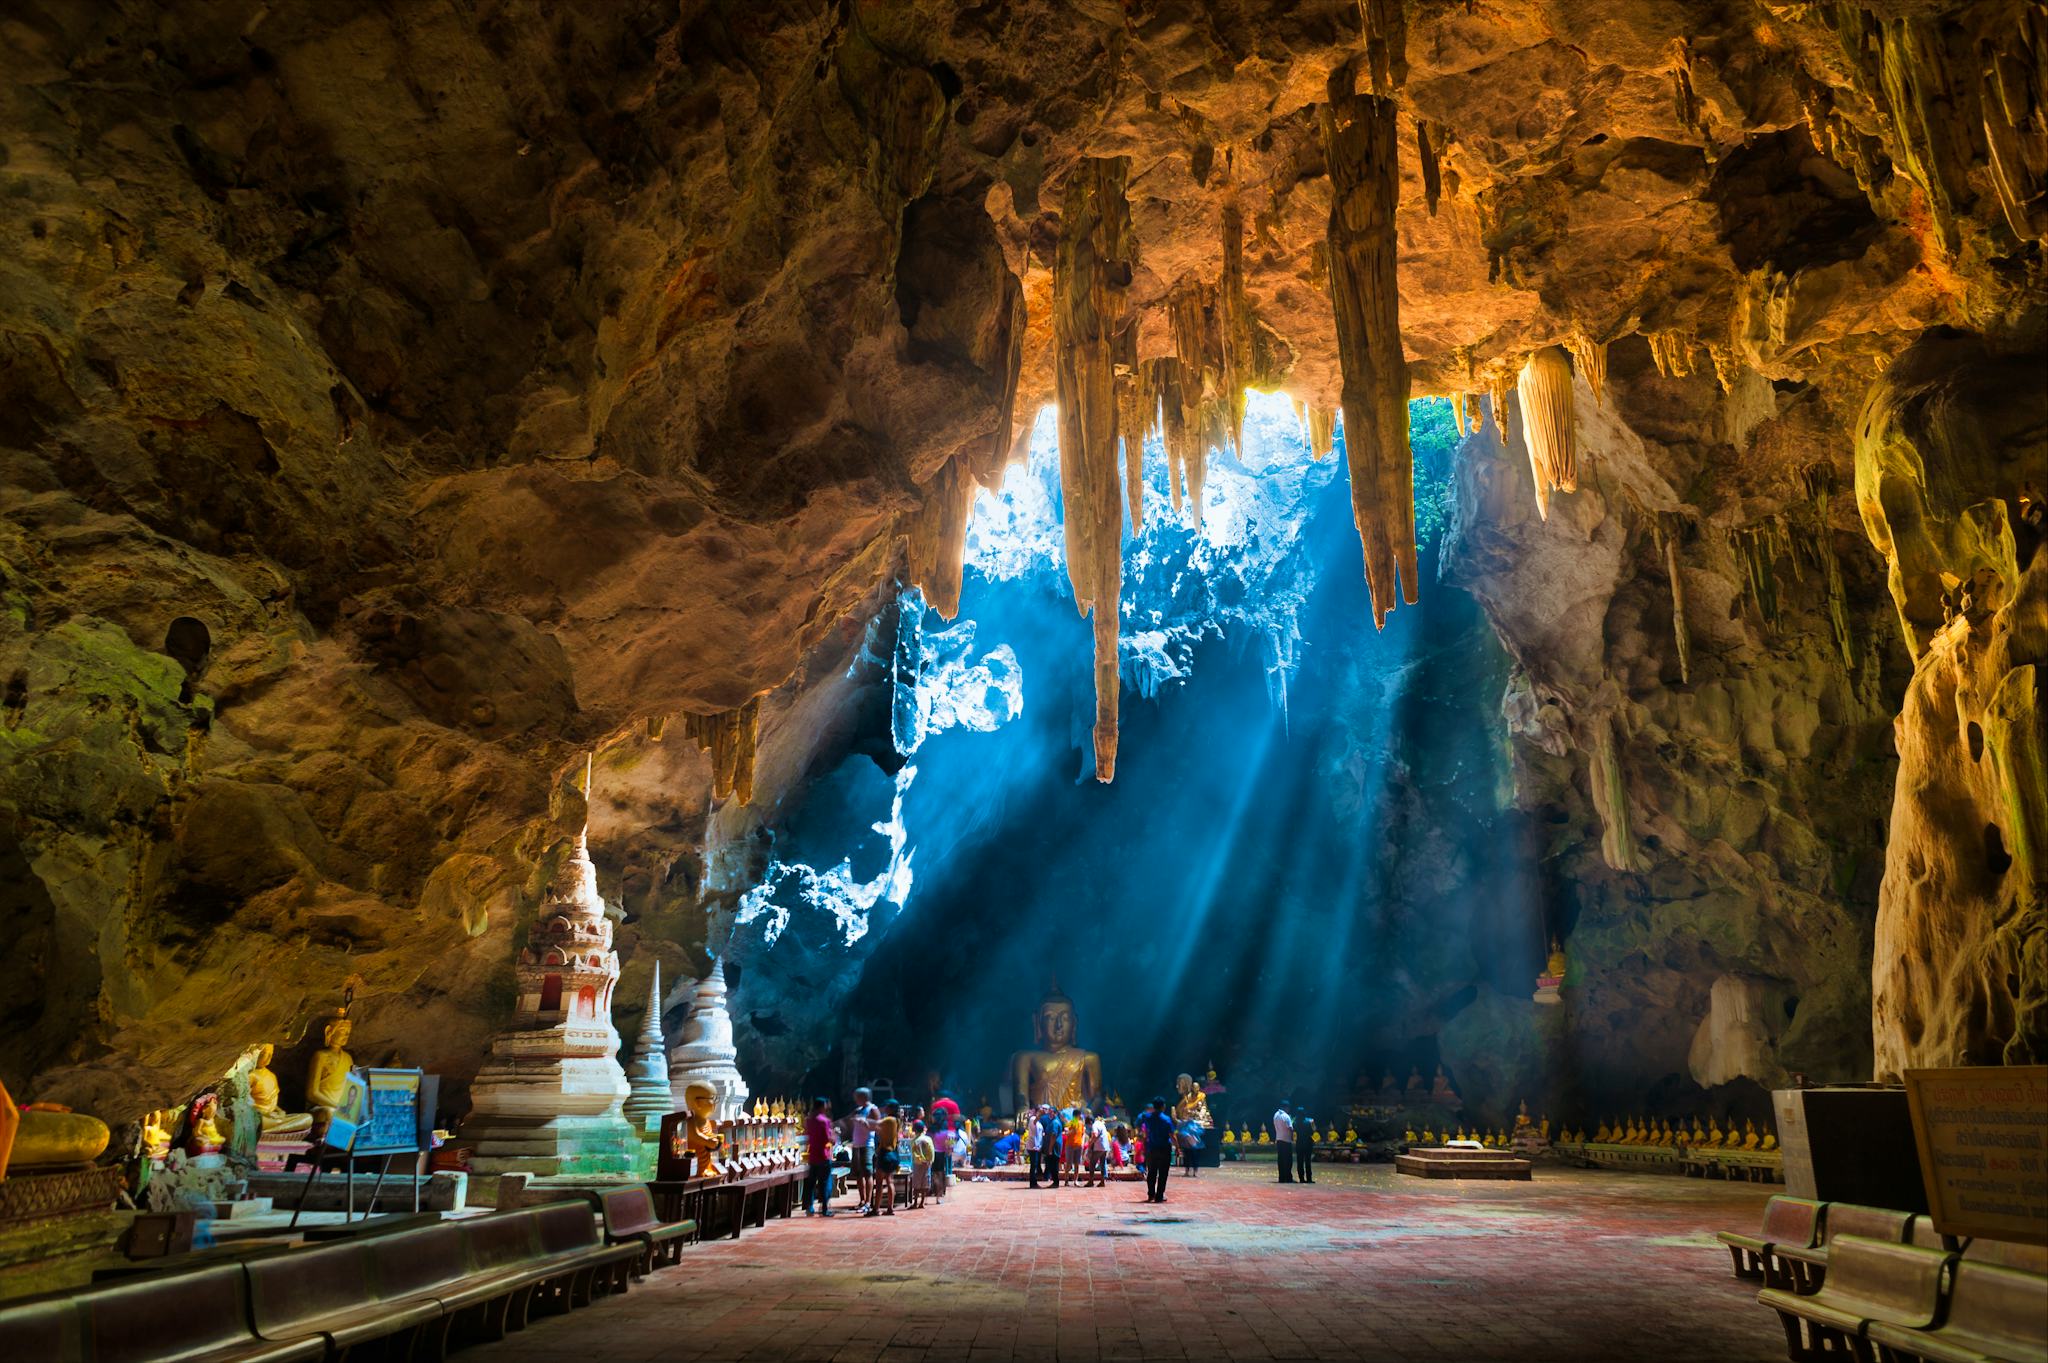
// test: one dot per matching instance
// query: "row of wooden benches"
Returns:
(1874, 1284)
(417, 1277)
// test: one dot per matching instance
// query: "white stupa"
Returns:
(549, 1099)
(650, 1098)
(706, 1053)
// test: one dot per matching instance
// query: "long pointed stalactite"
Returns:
(1359, 148)
(729, 737)
(1097, 256)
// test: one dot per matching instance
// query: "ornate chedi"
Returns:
(549, 1099)
(706, 1053)
(650, 1096)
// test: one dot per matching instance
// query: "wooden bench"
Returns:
(42, 1327)
(629, 1219)
(1992, 1313)
(1803, 1269)
(329, 1293)
(1868, 1281)
(201, 1316)
(1793, 1221)
(370, 1225)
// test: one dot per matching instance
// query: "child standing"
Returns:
(921, 1156)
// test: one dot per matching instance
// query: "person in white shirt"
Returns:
(1283, 1141)
(861, 1127)
(1034, 1144)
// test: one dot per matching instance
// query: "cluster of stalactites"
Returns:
(1359, 151)
(729, 737)
(1096, 258)
(1318, 428)
(1385, 27)
(1548, 428)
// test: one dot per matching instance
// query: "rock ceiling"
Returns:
(399, 400)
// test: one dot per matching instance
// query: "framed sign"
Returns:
(393, 1123)
(1982, 1135)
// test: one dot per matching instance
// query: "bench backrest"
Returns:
(409, 1263)
(628, 1211)
(1993, 1305)
(564, 1226)
(502, 1239)
(163, 1315)
(1871, 1223)
(286, 1289)
(46, 1327)
(1791, 1221)
(1880, 1280)
(2007, 1254)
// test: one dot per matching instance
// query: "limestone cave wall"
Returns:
(397, 402)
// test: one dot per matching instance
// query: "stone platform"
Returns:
(1455, 1162)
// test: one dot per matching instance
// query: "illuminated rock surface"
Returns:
(395, 404)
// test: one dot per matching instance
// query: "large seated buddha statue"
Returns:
(1059, 1072)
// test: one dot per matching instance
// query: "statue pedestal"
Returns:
(552, 1146)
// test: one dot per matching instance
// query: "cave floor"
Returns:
(1366, 1264)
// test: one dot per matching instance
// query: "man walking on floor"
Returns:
(1034, 1143)
(1051, 1137)
(818, 1157)
(1155, 1128)
(1304, 1147)
(861, 1128)
(1283, 1141)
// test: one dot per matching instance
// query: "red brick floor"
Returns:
(1366, 1264)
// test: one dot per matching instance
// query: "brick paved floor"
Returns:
(1366, 1264)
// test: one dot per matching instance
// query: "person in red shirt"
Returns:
(818, 1156)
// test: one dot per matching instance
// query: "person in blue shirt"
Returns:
(1155, 1129)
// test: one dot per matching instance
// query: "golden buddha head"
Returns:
(1056, 1021)
(337, 1032)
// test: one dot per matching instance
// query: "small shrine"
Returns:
(550, 1098)
(1552, 978)
(649, 1095)
(706, 1054)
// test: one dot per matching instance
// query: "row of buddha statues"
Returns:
(1659, 1131)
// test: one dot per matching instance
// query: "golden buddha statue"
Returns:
(1350, 1134)
(47, 1134)
(1699, 1137)
(1522, 1122)
(1749, 1136)
(1408, 1136)
(203, 1137)
(1265, 1134)
(277, 1124)
(700, 1132)
(1059, 1072)
(1601, 1135)
(156, 1134)
(1192, 1104)
(1555, 964)
(327, 1073)
(1769, 1142)
(1229, 1136)
(1428, 1136)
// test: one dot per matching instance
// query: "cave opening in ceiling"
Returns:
(1307, 815)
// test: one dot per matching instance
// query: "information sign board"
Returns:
(1982, 1134)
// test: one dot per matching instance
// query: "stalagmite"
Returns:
(1322, 431)
(1667, 531)
(1590, 358)
(1096, 258)
(729, 737)
(1548, 424)
(1359, 150)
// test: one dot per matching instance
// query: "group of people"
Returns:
(1297, 1157)
(878, 1141)
(1081, 1141)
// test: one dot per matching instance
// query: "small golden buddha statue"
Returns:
(1428, 1136)
(1699, 1137)
(327, 1073)
(1408, 1136)
(1543, 1127)
(1522, 1122)
(277, 1124)
(701, 1135)
(1058, 1072)
(1770, 1141)
(1192, 1105)
(1350, 1134)
(203, 1136)
(156, 1134)
(1557, 962)
(1602, 1135)
(1749, 1136)
(1229, 1136)
(1265, 1134)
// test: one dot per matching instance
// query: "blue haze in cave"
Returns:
(1302, 866)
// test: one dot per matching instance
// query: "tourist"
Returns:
(1034, 1144)
(1304, 1147)
(861, 1131)
(945, 1114)
(1283, 1141)
(945, 1124)
(887, 1162)
(1120, 1147)
(1189, 1139)
(1049, 1140)
(818, 1157)
(1155, 1129)
(958, 1156)
(1003, 1149)
(1076, 1143)
(1098, 1151)
(922, 1154)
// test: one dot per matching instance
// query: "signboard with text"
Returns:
(1982, 1134)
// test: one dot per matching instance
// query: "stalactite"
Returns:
(1429, 141)
(1915, 83)
(729, 737)
(1322, 431)
(1683, 97)
(1458, 412)
(1137, 408)
(1385, 26)
(2010, 96)
(1590, 358)
(1497, 396)
(1672, 351)
(1757, 548)
(1359, 150)
(1173, 429)
(1666, 528)
(1820, 487)
(1549, 426)
(1096, 258)
(1610, 797)
(1200, 380)
(1238, 363)
(937, 541)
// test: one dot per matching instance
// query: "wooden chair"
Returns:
(1803, 1269)
(1868, 1281)
(1993, 1314)
(1793, 1221)
(629, 1219)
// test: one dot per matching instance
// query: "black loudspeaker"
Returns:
(1850, 1145)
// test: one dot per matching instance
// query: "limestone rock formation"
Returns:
(395, 401)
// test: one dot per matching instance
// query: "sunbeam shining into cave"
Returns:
(1274, 835)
